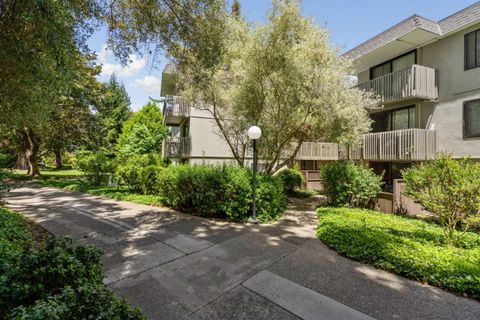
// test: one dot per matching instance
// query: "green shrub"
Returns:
(5, 184)
(95, 164)
(292, 179)
(149, 179)
(35, 274)
(14, 236)
(130, 172)
(410, 247)
(347, 184)
(220, 191)
(448, 188)
(86, 302)
(271, 200)
(7, 160)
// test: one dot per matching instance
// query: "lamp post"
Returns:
(254, 133)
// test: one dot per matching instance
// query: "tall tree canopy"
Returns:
(143, 132)
(113, 110)
(42, 48)
(282, 76)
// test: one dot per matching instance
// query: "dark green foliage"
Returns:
(220, 191)
(149, 179)
(113, 110)
(36, 274)
(7, 160)
(86, 302)
(292, 179)
(95, 164)
(410, 247)
(5, 183)
(347, 184)
(14, 236)
(60, 280)
(448, 188)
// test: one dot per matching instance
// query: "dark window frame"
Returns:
(467, 135)
(392, 111)
(465, 54)
(370, 72)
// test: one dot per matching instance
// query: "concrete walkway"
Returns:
(176, 266)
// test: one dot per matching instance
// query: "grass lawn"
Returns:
(71, 179)
(410, 247)
(118, 193)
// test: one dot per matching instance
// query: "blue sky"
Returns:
(350, 22)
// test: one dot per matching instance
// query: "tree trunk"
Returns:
(21, 162)
(58, 159)
(32, 145)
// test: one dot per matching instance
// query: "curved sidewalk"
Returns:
(176, 266)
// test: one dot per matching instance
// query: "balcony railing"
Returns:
(318, 151)
(413, 82)
(408, 144)
(176, 147)
(175, 109)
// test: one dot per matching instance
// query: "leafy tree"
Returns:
(113, 110)
(449, 189)
(282, 76)
(236, 9)
(41, 47)
(143, 132)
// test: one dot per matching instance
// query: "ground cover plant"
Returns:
(59, 280)
(410, 247)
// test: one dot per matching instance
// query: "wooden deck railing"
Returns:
(413, 82)
(176, 147)
(318, 151)
(408, 144)
(176, 107)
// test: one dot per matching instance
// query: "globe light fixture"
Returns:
(254, 133)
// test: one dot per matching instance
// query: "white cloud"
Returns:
(134, 66)
(148, 84)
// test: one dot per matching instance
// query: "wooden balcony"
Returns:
(400, 145)
(175, 110)
(176, 147)
(413, 82)
(318, 151)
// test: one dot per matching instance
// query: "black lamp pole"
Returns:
(254, 181)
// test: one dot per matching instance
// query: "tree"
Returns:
(143, 132)
(236, 9)
(282, 76)
(449, 189)
(69, 124)
(41, 47)
(113, 110)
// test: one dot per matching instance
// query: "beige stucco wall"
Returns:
(455, 86)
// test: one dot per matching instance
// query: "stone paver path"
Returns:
(176, 266)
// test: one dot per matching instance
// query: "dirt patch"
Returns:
(40, 235)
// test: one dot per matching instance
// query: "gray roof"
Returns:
(445, 26)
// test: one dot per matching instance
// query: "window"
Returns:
(402, 62)
(398, 119)
(471, 119)
(472, 50)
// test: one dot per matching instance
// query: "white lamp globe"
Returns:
(254, 132)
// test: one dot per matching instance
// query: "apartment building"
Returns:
(427, 76)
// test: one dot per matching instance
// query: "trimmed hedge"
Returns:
(222, 191)
(60, 280)
(410, 247)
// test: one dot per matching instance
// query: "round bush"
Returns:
(95, 164)
(347, 184)
(292, 179)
